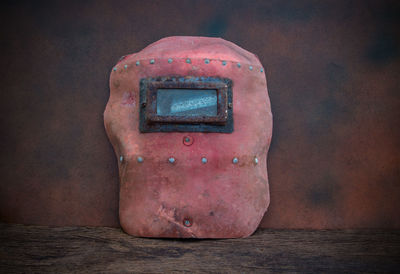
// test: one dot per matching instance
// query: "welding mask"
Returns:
(190, 122)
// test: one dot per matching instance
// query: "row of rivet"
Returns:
(189, 61)
(204, 160)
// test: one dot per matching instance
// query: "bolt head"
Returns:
(207, 61)
(137, 63)
(188, 61)
(170, 60)
(224, 63)
(262, 70)
(235, 160)
(152, 61)
(256, 160)
(121, 158)
(126, 66)
(171, 160)
(140, 159)
(239, 65)
(250, 67)
(204, 160)
(115, 69)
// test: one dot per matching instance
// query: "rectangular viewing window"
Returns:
(187, 102)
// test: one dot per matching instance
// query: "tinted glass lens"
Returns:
(187, 102)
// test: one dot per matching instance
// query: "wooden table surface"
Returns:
(102, 249)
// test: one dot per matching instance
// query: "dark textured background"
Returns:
(333, 78)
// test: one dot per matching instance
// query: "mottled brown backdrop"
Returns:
(333, 77)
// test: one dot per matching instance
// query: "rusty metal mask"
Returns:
(190, 122)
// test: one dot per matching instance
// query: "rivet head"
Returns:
(115, 69)
(256, 160)
(250, 67)
(126, 66)
(137, 63)
(140, 159)
(224, 63)
(188, 61)
(204, 160)
(170, 60)
(187, 222)
(239, 65)
(262, 70)
(152, 61)
(121, 158)
(206, 61)
(187, 140)
(171, 160)
(235, 160)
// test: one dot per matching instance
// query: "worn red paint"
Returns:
(190, 198)
(128, 99)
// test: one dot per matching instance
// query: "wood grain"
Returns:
(102, 249)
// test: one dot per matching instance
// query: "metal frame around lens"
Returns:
(151, 122)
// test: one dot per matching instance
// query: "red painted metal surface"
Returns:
(190, 198)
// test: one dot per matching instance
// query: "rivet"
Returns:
(224, 63)
(121, 158)
(188, 61)
(187, 140)
(115, 69)
(250, 67)
(137, 63)
(239, 65)
(262, 70)
(140, 159)
(207, 61)
(204, 160)
(256, 160)
(126, 66)
(186, 222)
(235, 160)
(152, 61)
(170, 60)
(171, 160)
